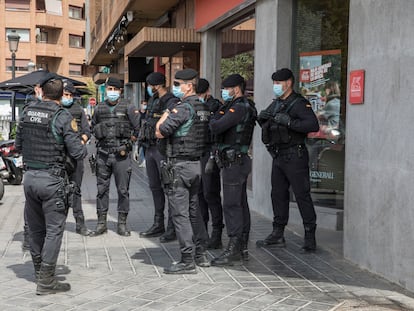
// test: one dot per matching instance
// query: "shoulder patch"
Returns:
(174, 110)
(74, 125)
(232, 110)
(308, 105)
(221, 112)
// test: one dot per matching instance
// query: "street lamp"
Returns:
(14, 39)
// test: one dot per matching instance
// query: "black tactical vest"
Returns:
(42, 147)
(190, 139)
(113, 127)
(76, 112)
(155, 110)
(213, 105)
(282, 136)
(240, 136)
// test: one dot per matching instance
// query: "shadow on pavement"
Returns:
(26, 271)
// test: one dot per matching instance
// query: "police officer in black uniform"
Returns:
(115, 125)
(210, 190)
(46, 136)
(185, 128)
(161, 100)
(285, 124)
(35, 97)
(233, 127)
(85, 133)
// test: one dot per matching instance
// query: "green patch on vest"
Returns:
(184, 128)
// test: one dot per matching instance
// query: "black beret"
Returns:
(68, 87)
(156, 78)
(282, 75)
(202, 86)
(46, 78)
(233, 80)
(114, 82)
(186, 74)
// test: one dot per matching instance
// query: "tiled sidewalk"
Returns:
(126, 273)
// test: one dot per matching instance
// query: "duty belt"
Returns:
(55, 171)
(184, 159)
(276, 150)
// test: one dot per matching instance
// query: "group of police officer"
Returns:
(192, 141)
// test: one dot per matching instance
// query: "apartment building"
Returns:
(52, 37)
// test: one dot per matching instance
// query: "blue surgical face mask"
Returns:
(176, 90)
(39, 97)
(66, 102)
(201, 99)
(278, 90)
(112, 96)
(149, 91)
(225, 94)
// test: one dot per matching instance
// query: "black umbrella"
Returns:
(25, 83)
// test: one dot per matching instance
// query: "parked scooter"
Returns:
(4, 174)
(13, 161)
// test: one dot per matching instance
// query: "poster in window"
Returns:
(319, 82)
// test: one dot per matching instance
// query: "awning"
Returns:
(151, 41)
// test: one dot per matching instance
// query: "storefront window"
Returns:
(237, 51)
(319, 60)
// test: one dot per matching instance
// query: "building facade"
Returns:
(52, 37)
(360, 172)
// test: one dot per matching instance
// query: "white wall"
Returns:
(379, 164)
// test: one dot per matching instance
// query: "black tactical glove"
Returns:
(282, 119)
(264, 115)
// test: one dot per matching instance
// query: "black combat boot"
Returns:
(169, 235)
(244, 245)
(101, 227)
(80, 226)
(26, 242)
(214, 242)
(276, 238)
(37, 262)
(122, 228)
(156, 229)
(47, 283)
(200, 257)
(310, 240)
(230, 255)
(185, 266)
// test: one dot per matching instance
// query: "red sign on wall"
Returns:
(356, 87)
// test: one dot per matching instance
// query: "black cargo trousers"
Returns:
(290, 167)
(183, 201)
(46, 211)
